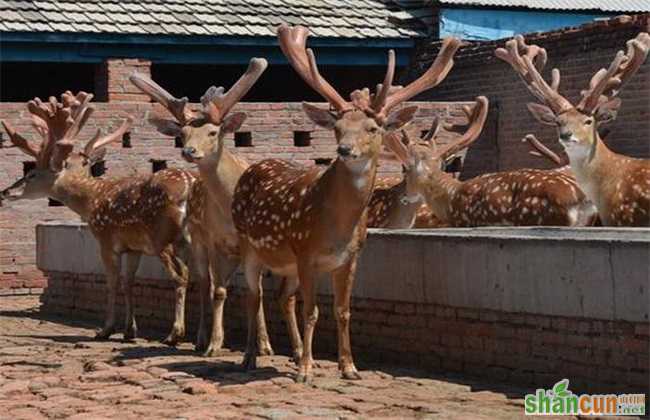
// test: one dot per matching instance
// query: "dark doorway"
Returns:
(279, 83)
(22, 81)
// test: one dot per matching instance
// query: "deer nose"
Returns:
(566, 135)
(188, 151)
(344, 149)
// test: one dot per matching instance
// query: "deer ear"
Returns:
(232, 122)
(321, 117)
(607, 111)
(166, 127)
(542, 113)
(399, 118)
(96, 155)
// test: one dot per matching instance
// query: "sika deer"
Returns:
(131, 215)
(215, 243)
(301, 222)
(521, 198)
(618, 185)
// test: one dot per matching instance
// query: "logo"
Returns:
(561, 401)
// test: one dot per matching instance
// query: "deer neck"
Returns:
(346, 190)
(408, 203)
(595, 174)
(77, 192)
(221, 171)
(440, 188)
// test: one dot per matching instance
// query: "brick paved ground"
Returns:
(51, 367)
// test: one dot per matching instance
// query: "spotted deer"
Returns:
(618, 185)
(215, 243)
(131, 215)
(300, 222)
(522, 197)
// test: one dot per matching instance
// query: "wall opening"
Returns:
(126, 140)
(323, 161)
(243, 139)
(98, 169)
(28, 166)
(454, 165)
(22, 81)
(301, 138)
(158, 165)
(53, 203)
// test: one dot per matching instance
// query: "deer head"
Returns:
(425, 158)
(577, 125)
(360, 124)
(59, 124)
(201, 130)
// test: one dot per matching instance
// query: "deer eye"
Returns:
(589, 121)
(213, 133)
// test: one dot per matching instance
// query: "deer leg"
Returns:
(112, 265)
(287, 302)
(343, 279)
(201, 267)
(222, 269)
(310, 317)
(253, 274)
(179, 274)
(263, 342)
(130, 327)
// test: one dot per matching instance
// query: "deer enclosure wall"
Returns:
(509, 304)
(272, 127)
(578, 53)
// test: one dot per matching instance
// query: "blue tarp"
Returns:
(486, 24)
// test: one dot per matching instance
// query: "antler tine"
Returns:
(529, 66)
(19, 141)
(177, 107)
(476, 115)
(432, 77)
(97, 142)
(398, 146)
(293, 44)
(384, 88)
(542, 150)
(217, 104)
(607, 83)
(433, 131)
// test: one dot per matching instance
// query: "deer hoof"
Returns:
(304, 378)
(104, 334)
(250, 361)
(265, 349)
(212, 351)
(130, 335)
(297, 355)
(351, 375)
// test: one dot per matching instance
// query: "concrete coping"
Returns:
(596, 273)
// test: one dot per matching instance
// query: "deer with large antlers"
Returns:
(215, 243)
(301, 222)
(514, 198)
(618, 185)
(130, 215)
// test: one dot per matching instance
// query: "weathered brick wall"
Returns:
(578, 53)
(529, 349)
(271, 124)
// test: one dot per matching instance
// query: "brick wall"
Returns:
(578, 53)
(528, 349)
(272, 126)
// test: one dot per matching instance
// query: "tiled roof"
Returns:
(325, 18)
(628, 6)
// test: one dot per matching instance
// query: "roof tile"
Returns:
(329, 18)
